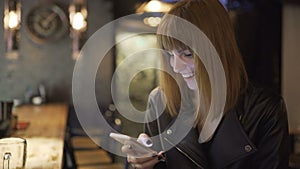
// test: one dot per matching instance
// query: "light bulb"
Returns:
(12, 20)
(78, 21)
(154, 6)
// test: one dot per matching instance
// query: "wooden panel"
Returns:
(89, 157)
(45, 120)
(83, 142)
(44, 135)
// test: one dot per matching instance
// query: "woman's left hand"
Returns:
(143, 162)
(146, 161)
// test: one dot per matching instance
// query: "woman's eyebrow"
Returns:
(187, 51)
(181, 50)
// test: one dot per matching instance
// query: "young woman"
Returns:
(252, 130)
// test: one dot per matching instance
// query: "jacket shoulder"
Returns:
(262, 101)
(262, 111)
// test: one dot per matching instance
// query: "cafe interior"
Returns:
(41, 49)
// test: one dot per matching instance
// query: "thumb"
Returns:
(145, 140)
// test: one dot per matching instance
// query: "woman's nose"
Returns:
(177, 64)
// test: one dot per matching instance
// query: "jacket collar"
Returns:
(230, 142)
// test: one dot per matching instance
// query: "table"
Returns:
(44, 135)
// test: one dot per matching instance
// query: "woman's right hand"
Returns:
(146, 161)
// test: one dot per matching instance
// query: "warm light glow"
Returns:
(78, 21)
(118, 122)
(152, 21)
(12, 20)
(77, 15)
(154, 6)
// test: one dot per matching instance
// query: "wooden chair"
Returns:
(86, 153)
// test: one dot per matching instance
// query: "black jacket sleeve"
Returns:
(273, 144)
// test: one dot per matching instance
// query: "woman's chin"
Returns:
(191, 83)
(192, 87)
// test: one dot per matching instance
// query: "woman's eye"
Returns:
(188, 54)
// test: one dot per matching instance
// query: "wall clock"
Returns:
(46, 22)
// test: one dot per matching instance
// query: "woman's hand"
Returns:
(146, 161)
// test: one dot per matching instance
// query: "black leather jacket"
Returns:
(254, 135)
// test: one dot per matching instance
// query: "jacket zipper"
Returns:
(184, 153)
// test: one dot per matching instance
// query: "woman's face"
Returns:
(182, 62)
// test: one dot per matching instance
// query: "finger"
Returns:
(128, 149)
(131, 159)
(145, 140)
(135, 159)
(161, 156)
(143, 135)
(147, 164)
(133, 166)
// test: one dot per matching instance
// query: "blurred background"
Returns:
(38, 51)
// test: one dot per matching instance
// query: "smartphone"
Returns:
(138, 148)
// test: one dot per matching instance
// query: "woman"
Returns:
(252, 133)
